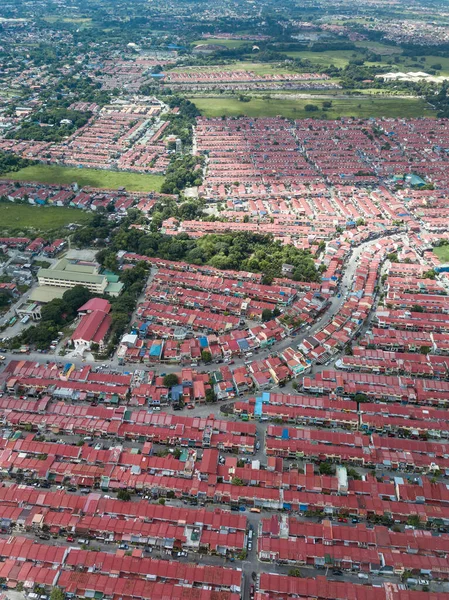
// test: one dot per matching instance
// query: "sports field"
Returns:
(371, 106)
(22, 217)
(135, 182)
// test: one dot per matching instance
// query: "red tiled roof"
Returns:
(93, 327)
(96, 304)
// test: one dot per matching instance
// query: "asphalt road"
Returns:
(251, 564)
(333, 308)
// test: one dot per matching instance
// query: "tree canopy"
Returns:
(241, 251)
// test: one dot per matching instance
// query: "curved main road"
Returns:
(333, 308)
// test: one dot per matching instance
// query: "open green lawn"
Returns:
(80, 21)
(379, 48)
(442, 252)
(135, 182)
(338, 58)
(260, 68)
(222, 42)
(257, 67)
(21, 217)
(430, 60)
(294, 108)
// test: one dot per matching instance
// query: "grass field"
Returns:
(21, 217)
(260, 68)
(338, 58)
(442, 252)
(222, 42)
(80, 21)
(427, 64)
(135, 182)
(294, 108)
(378, 47)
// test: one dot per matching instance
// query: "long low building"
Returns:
(67, 274)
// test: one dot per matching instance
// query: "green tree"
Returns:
(75, 297)
(119, 322)
(206, 356)
(414, 520)
(359, 397)
(124, 495)
(54, 311)
(326, 468)
(237, 481)
(170, 380)
(267, 315)
(210, 396)
(57, 594)
(294, 572)
(353, 474)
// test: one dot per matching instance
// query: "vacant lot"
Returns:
(135, 182)
(338, 58)
(222, 42)
(80, 21)
(443, 253)
(256, 67)
(379, 48)
(371, 106)
(22, 217)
